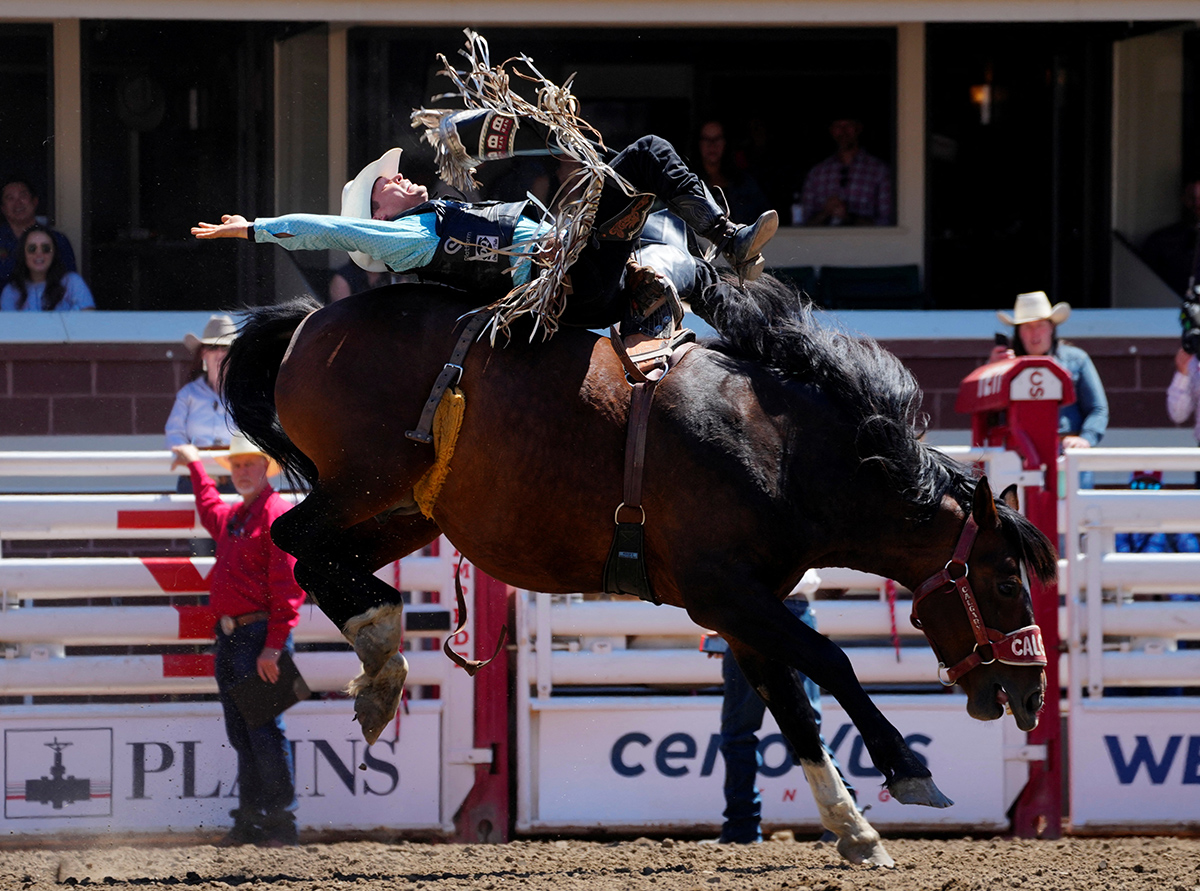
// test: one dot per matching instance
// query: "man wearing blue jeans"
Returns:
(252, 588)
(742, 713)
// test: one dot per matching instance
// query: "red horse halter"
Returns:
(1021, 647)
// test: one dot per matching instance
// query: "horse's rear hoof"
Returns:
(866, 851)
(377, 698)
(918, 790)
(376, 635)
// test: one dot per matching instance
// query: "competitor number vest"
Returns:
(468, 237)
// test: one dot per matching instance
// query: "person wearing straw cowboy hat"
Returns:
(1035, 322)
(199, 415)
(253, 591)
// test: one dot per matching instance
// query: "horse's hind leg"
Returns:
(782, 689)
(336, 566)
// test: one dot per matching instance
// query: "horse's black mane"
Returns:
(768, 322)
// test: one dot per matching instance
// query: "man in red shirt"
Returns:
(253, 591)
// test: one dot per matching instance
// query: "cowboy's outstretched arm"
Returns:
(231, 226)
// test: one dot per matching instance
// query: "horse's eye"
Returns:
(1010, 589)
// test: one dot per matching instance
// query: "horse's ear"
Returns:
(983, 508)
(1009, 496)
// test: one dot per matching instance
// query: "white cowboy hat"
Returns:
(1033, 307)
(356, 199)
(239, 445)
(218, 331)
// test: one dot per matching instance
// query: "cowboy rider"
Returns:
(388, 221)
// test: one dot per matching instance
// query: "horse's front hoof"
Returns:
(377, 698)
(918, 790)
(865, 851)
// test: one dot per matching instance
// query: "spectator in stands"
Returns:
(1082, 424)
(850, 187)
(253, 590)
(742, 711)
(718, 171)
(40, 281)
(1171, 250)
(1183, 394)
(200, 416)
(18, 206)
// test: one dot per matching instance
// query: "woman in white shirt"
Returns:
(200, 416)
(40, 281)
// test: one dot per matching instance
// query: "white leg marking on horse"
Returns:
(858, 841)
(376, 635)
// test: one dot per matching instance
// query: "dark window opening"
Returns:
(1019, 163)
(178, 119)
(27, 112)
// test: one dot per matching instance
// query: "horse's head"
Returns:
(978, 615)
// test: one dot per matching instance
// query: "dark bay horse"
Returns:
(785, 445)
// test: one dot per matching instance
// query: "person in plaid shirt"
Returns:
(850, 187)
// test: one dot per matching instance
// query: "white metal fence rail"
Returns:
(1134, 744)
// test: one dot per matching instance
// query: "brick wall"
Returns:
(89, 389)
(93, 389)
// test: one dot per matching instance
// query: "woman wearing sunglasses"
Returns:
(40, 282)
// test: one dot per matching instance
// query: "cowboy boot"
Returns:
(740, 245)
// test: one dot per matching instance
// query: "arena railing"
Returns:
(1133, 637)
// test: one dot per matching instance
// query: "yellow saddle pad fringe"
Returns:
(447, 421)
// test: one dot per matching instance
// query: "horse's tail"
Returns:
(251, 369)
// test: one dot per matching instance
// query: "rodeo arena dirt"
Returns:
(661, 864)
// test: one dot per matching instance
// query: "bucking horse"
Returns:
(784, 444)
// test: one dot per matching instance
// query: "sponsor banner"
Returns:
(1135, 761)
(173, 769)
(644, 762)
